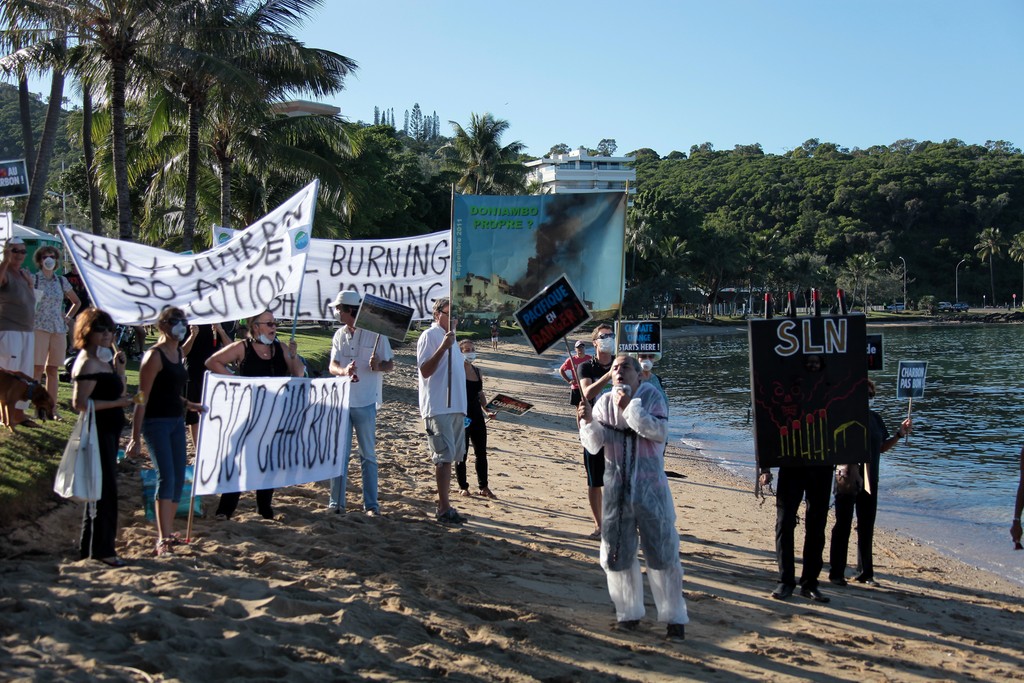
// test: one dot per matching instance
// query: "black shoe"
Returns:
(813, 594)
(628, 625)
(837, 581)
(866, 580)
(783, 591)
(676, 632)
(267, 514)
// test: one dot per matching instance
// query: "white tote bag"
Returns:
(79, 475)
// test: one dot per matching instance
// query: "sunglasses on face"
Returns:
(100, 329)
(175, 321)
(20, 252)
(608, 335)
(270, 324)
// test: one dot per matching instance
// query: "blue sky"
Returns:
(671, 74)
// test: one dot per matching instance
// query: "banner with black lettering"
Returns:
(412, 271)
(236, 279)
(808, 383)
(267, 432)
(506, 249)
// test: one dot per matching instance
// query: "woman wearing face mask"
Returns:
(51, 321)
(476, 432)
(261, 355)
(647, 361)
(160, 417)
(96, 379)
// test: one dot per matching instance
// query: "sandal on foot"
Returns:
(486, 493)
(115, 562)
(164, 546)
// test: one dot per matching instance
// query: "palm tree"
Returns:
(858, 270)
(1017, 254)
(485, 166)
(239, 56)
(990, 244)
(37, 46)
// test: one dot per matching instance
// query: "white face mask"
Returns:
(179, 331)
(606, 345)
(646, 364)
(105, 354)
(268, 340)
(49, 263)
(471, 356)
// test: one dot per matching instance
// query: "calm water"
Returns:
(951, 487)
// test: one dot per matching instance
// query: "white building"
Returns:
(577, 171)
(304, 108)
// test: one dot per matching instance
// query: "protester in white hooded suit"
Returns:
(630, 424)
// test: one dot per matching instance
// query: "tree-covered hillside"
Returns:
(822, 215)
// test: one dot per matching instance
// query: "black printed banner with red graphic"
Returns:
(808, 380)
(552, 314)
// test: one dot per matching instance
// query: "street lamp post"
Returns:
(904, 282)
(956, 281)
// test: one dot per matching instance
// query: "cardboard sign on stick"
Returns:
(385, 317)
(509, 405)
(14, 178)
(552, 314)
(638, 336)
(910, 378)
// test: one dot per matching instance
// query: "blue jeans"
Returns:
(364, 421)
(165, 438)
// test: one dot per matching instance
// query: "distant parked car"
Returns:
(961, 306)
(945, 306)
(895, 308)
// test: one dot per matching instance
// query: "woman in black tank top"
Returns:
(160, 418)
(260, 355)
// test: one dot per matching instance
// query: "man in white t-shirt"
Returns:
(363, 357)
(443, 404)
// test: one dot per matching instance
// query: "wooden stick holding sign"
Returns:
(910, 379)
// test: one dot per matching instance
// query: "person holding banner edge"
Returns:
(363, 357)
(159, 417)
(259, 355)
(594, 376)
(441, 377)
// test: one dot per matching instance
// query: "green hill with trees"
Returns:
(823, 215)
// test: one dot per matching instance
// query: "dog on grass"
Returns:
(15, 388)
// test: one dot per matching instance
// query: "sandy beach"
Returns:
(514, 595)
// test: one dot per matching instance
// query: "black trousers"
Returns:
(100, 532)
(795, 483)
(476, 433)
(866, 506)
(229, 501)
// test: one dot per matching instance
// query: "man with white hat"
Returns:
(363, 357)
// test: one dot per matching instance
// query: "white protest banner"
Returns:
(236, 279)
(267, 432)
(6, 227)
(412, 271)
